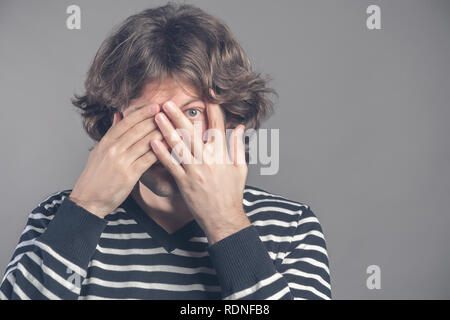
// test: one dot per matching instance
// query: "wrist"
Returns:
(223, 229)
(88, 206)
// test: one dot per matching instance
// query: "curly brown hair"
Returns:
(178, 41)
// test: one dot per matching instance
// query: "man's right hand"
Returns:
(117, 162)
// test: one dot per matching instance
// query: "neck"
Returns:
(171, 213)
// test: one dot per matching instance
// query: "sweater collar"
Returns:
(169, 241)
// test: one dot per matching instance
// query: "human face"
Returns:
(157, 178)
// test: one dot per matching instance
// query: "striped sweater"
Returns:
(65, 252)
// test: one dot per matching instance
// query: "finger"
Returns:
(177, 117)
(216, 119)
(163, 155)
(165, 126)
(135, 134)
(143, 163)
(237, 146)
(180, 121)
(172, 137)
(143, 146)
(216, 133)
(125, 124)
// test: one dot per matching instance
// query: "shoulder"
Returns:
(39, 218)
(265, 204)
(50, 203)
(273, 213)
(284, 224)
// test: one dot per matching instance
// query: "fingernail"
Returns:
(159, 117)
(154, 144)
(168, 106)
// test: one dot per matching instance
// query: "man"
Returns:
(161, 210)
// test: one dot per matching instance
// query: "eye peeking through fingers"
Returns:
(193, 113)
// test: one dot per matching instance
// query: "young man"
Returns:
(139, 225)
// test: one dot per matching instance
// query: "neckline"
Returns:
(169, 241)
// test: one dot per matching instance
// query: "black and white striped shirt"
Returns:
(65, 252)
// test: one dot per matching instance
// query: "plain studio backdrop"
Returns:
(363, 119)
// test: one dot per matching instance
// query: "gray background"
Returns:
(362, 116)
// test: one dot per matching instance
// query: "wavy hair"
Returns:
(182, 42)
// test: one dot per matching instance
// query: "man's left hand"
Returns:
(210, 179)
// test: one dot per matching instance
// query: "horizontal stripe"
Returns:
(61, 259)
(199, 239)
(279, 294)
(260, 284)
(151, 268)
(249, 203)
(125, 236)
(310, 289)
(277, 209)
(144, 285)
(305, 246)
(307, 260)
(2, 296)
(36, 283)
(39, 215)
(49, 272)
(93, 297)
(16, 288)
(28, 228)
(159, 250)
(128, 263)
(121, 222)
(308, 275)
(273, 222)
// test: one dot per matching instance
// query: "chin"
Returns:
(160, 181)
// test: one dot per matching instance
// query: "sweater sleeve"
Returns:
(246, 271)
(54, 250)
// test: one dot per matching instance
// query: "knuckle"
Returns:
(112, 151)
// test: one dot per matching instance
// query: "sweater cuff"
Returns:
(74, 233)
(240, 260)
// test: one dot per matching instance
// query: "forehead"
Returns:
(160, 92)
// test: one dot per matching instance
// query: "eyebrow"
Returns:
(185, 104)
(190, 101)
